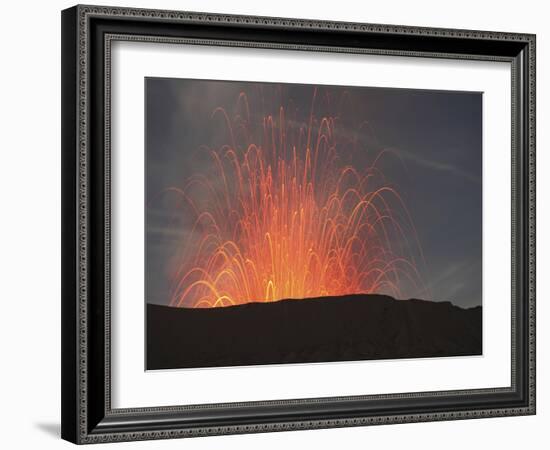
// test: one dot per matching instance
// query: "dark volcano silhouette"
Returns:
(346, 328)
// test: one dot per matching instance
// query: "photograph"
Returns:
(299, 223)
(275, 218)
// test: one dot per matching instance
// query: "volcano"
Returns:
(344, 328)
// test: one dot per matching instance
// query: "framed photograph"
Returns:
(282, 224)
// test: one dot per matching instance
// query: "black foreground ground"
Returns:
(353, 327)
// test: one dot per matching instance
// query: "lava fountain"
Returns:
(280, 215)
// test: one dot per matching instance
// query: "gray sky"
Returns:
(437, 135)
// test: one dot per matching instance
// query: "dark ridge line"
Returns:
(335, 298)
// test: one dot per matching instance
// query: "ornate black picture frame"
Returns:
(87, 35)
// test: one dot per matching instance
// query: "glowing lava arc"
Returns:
(286, 219)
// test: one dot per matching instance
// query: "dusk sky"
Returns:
(434, 161)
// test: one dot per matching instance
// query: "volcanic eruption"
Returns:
(283, 212)
(281, 234)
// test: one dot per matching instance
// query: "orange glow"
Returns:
(286, 218)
